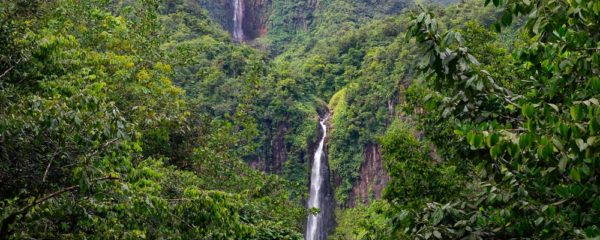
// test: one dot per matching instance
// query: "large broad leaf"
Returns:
(496, 151)
(575, 175)
(507, 18)
(562, 164)
(576, 113)
(437, 217)
(528, 111)
(525, 140)
(581, 144)
(437, 234)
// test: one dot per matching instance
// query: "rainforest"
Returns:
(299, 119)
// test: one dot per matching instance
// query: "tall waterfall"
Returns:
(314, 225)
(238, 20)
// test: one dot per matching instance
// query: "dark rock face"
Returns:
(221, 11)
(372, 180)
(278, 150)
(275, 153)
(256, 17)
(328, 203)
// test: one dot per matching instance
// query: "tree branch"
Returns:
(71, 188)
(4, 228)
(10, 68)
(47, 169)
(7, 71)
(586, 49)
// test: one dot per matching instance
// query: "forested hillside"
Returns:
(203, 119)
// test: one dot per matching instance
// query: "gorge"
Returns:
(299, 119)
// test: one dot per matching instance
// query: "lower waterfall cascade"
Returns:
(314, 226)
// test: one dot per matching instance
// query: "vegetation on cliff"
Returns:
(143, 119)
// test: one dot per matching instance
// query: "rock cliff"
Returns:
(372, 178)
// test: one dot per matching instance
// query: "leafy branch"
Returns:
(6, 222)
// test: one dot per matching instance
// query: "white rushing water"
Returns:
(238, 19)
(316, 181)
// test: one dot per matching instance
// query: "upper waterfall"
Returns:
(238, 20)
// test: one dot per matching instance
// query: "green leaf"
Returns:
(581, 144)
(548, 170)
(558, 144)
(478, 141)
(496, 151)
(545, 151)
(447, 112)
(594, 101)
(562, 164)
(539, 221)
(553, 106)
(473, 60)
(84, 182)
(528, 111)
(427, 97)
(525, 140)
(492, 139)
(585, 169)
(531, 125)
(590, 141)
(513, 150)
(594, 84)
(596, 203)
(479, 85)
(574, 174)
(471, 138)
(564, 130)
(77, 120)
(594, 125)
(437, 234)
(575, 112)
(537, 25)
(507, 18)
(421, 17)
(437, 217)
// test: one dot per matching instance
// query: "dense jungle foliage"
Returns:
(500, 141)
(99, 140)
(134, 119)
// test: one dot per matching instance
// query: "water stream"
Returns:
(238, 20)
(317, 175)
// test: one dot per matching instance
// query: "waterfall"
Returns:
(238, 20)
(315, 225)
